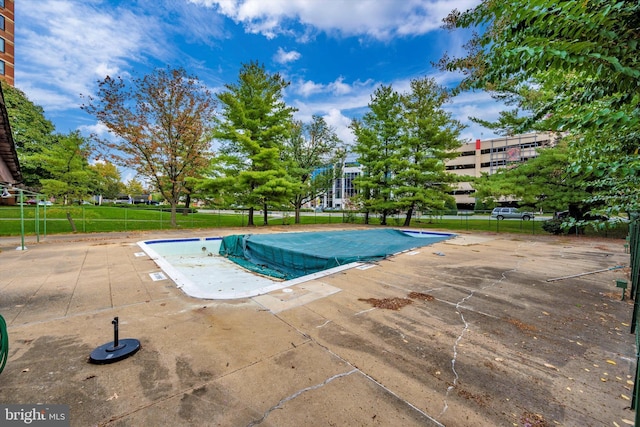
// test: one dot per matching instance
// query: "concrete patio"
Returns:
(486, 339)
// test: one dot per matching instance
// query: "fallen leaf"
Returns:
(629, 422)
(624, 397)
(25, 370)
(611, 362)
(550, 366)
(115, 396)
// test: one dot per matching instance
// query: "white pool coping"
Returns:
(221, 278)
(225, 279)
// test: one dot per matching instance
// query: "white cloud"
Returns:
(378, 19)
(339, 109)
(284, 57)
(340, 123)
(65, 46)
(338, 87)
(307, 88)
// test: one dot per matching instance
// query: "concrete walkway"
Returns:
(484, 340)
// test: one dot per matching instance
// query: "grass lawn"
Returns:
(91, 219)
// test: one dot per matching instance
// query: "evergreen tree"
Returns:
(254, 125)
(430, 138)
(403, 143)
(378, 138)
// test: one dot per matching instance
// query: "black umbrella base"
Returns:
(110, 352)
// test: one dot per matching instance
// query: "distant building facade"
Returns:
(7, 41)
(490, 155)
(475, 158)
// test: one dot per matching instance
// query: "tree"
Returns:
(430, 138)
(66, 162)
(310, 153)
(378, 136)
(134, 186)
(108, 180)
(253, 128)
(583, 57)
(32, 133)
(543, 182)
(163, 124)
(403, 143)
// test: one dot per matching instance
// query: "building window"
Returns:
(1, 68)
(1, 3)
(1, 44)
(1, 22)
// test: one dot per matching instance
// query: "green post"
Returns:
(22, 217)
(37, 221)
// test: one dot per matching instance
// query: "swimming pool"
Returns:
(196, 266)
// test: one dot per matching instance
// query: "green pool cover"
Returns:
(291, 255)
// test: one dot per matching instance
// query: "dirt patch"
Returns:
(421, 296)
(524, 327)
(388, 303)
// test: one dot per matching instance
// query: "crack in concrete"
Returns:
(298, 393)
(459, 308)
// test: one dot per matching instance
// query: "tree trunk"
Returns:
(73, 224)
(265, 215)
(366, 217)
(174, 222)
(297, 215)
(187, 201)
(250, 218)
(407, 220)
(383, 218)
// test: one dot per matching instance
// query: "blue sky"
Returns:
(334, 52)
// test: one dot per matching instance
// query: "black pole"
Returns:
(115, 332)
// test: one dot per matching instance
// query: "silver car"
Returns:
(506, 213)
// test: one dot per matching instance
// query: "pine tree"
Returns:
(254, 125)
(430, 138)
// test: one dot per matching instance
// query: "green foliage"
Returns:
(574, 67)
(32, 133)
(253, 127)
(544, 182)
(108, 182)
(403, 143)
(66, 162)
(134, 186)
(310, 155)
(553, 226)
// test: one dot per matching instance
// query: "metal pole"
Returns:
(22, 217)
(115, 332)
(37, 220)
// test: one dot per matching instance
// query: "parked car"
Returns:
(511, 213)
